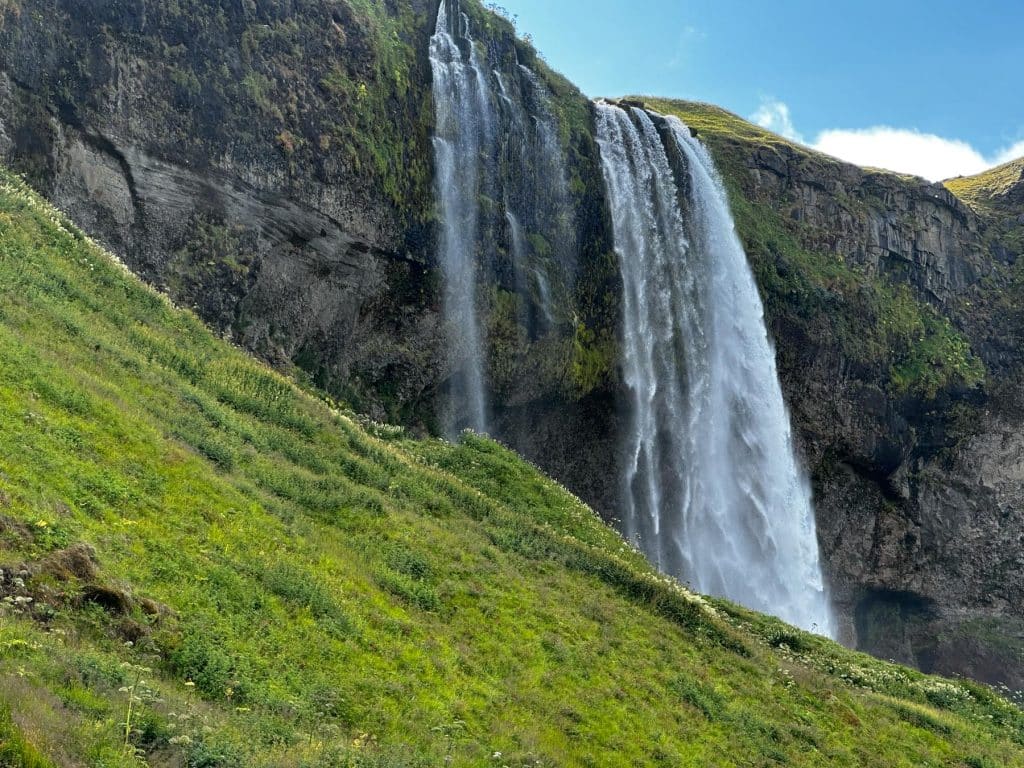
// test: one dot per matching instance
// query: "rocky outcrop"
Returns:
(886, 225)
(269, 165)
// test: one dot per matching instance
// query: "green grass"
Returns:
(716, 121)
(983, 191)
(15, 750)
(307, 589)
(997, 195)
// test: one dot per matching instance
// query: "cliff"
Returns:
(269, 165)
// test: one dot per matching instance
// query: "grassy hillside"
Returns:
(990, 190)
(206, 565)
(998, 195)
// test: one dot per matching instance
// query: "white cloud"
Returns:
(1014, 152)
(774, 115)
(895, 149)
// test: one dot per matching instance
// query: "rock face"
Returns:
(919, 494)
(917, 233)
(268, 162)
(213, 147)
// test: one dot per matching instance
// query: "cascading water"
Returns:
(500, 178)
(549, 189)
(463, 130)
(713, 490)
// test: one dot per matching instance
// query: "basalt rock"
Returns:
(217, 151)
(269, 165)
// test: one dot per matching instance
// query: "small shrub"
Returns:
(782, 636)
(202, 659)
(302, 589)
(922, 718)
(209, 754)
(701, 697)
(416, 593)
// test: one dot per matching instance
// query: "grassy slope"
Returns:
(985, 190)
(280, 585)
(996, 195)
(877, 323)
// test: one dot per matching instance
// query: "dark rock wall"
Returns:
(244, 156)
(269, 164)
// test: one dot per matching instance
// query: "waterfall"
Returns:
(464, 128)
(544, 295)
(550, 187)
(713, 490)
(500, 179)
(537, 192)
(520, 251)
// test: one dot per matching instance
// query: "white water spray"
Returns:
(713, 490)
(496, 139)
(464, 129)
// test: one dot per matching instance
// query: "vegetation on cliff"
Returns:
(323, 104)
(998, 196)
(997, 189)
(579, 353)
(336, 80)
(205, 563)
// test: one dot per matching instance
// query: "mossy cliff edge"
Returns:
(269, 164)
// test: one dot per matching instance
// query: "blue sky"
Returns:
(936, 87)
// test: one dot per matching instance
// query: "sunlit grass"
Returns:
(980, 190)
